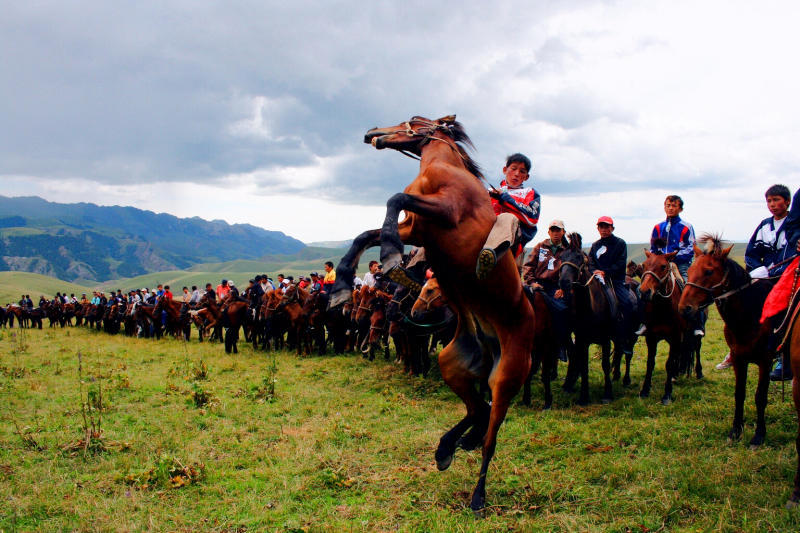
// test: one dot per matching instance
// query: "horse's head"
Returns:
(411, 135)
(573, 263)
(656, 273)
(707, 275)
(429, 300)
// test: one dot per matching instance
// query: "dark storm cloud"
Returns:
(195, 92)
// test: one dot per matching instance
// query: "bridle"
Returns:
(709, 291)
(669, 275)
(429, 302)
(426, 133)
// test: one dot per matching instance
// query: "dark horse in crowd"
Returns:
(450, 215)
(592, 320)
(714, 278)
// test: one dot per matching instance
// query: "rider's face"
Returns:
(515, 174)
(778, 206)
(555, 234)
(605, 230)
(672, 208)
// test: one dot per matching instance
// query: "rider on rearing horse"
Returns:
(517, 210)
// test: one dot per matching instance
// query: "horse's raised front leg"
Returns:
(432, 207)
(346, 270)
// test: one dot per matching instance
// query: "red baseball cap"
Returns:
(605, 220)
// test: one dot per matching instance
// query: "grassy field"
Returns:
(347, 445)
(14, 284)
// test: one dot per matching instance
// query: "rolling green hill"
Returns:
(15, 284)
(90, 242)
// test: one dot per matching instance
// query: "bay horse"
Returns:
(449, 213)
(661, 294)
(177, 316)
(715, 278)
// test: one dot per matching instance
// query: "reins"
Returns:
(669, 275)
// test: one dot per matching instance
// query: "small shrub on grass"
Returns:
(92, 407)
(167, 473)
(264, 391)
(201, 397)
(28, 439)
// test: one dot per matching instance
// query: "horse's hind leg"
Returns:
(761, 406)
(505, 382)
(454, 361)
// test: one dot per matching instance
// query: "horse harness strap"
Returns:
(670, 275)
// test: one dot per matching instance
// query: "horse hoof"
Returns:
(444, 463)
(700, 375)
(582, 403)
(791, 503)
(478, 506)
(756, 442)
(666, 400)
(605, 401)
(644, 394)
(626, 382)
(547, 406)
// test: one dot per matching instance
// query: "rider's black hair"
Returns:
(779, 190)
(519, 158)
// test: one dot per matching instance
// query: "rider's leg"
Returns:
(504, 234)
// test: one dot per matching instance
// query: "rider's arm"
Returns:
(528, 209)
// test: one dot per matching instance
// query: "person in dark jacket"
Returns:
(607, 261)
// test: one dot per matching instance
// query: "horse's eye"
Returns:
(708, 272)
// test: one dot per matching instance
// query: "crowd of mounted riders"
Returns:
(406, 305)
(285, 312)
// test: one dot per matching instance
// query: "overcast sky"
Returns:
(255, 111)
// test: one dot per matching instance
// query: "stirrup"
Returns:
(487, 259)
(400, 276)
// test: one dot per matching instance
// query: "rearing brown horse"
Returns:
(449, 213)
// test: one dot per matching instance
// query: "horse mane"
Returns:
(455, 130)
(575, 241)
(711, 244)
(658, 244)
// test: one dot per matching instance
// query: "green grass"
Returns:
(348, 445)
(14, 284)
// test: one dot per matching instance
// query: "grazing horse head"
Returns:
(708, 276)
(657, 275)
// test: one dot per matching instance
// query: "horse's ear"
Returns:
(697, 251)
(671, 256)
(647, 253)
(449, 119)
(726, 251)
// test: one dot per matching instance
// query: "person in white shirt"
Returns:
(369, 277)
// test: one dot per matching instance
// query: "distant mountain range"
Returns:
(87, 242)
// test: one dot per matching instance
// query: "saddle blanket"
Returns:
(778, 298)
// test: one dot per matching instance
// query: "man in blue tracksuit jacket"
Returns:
(676, 233)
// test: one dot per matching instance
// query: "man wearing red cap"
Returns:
(607, 260)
